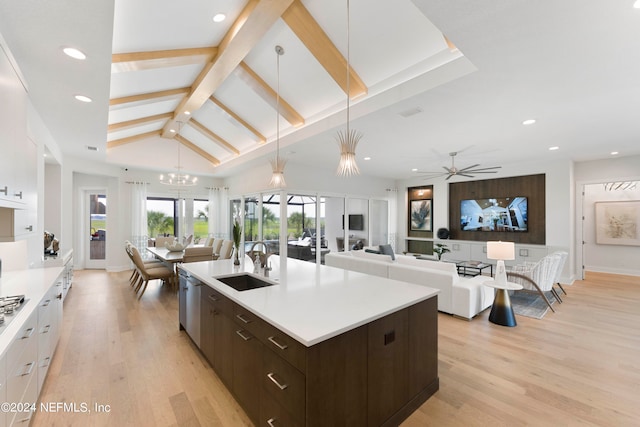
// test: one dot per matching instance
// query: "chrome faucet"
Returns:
(264, 256)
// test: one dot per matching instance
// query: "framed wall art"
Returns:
(420, 216)
(618, 223)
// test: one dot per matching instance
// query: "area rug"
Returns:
(530, 304)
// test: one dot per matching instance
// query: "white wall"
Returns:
(559, 204)
(590, 177)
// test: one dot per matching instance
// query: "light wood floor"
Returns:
(579, 366)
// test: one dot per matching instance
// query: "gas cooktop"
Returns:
(9, 306)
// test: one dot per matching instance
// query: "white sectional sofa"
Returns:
(461, 296)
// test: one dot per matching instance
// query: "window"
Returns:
(162, 215)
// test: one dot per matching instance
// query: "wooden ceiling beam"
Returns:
(213, 136)
(261, 138)
(193, 147)
(246, 32)
(130, 139)
(305, 27)
(149, 97)
(136, 61)
(137, 122)
(255, 82)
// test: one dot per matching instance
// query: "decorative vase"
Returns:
(236, 260)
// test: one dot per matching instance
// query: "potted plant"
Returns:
(237, 233)
(440, 249)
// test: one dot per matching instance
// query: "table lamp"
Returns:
(501, 251)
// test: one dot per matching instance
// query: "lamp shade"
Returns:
(501, 250)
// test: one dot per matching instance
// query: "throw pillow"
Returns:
(387, 250)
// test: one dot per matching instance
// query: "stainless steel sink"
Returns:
(244, 282)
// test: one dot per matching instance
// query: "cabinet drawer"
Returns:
(285, 346)
(27, 334)
(221, 304)
(272, 414)
(22, 372)
(284, 383)
(248, 321)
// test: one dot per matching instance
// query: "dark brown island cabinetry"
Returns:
(376, 374)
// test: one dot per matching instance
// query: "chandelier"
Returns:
(178, 179)
(278, 163)
(348, 140)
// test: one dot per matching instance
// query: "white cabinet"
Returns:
(3, 388)
(14, 151)
(68, 276)
(22, 382)
(49, 324)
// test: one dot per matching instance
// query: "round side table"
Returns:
(501, 310)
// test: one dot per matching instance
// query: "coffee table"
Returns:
(473, 268)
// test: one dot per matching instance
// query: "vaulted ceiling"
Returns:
(415, 95)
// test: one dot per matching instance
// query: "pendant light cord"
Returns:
(279, 52)
(348, 65)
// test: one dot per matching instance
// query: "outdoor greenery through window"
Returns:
(162, 218)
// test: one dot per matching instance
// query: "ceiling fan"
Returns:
(453, 170)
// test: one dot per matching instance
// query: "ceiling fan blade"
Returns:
(485, 169)
(447, 169)
(482, 171)
(468, 167)
(467, 175)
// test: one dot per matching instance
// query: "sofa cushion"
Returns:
(387, 250)
(424, 263)
(373, 256)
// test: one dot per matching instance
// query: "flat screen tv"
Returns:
(494, 214)
(356, 222)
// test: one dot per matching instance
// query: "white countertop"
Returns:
(33, 284)
(311, 302)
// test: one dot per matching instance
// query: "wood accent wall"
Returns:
(530, 186)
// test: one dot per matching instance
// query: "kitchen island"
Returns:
(319, 346)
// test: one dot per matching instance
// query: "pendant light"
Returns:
(348, 140)
(278, 163)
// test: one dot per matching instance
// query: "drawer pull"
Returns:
(4, 190)
(28, 370)
(18, 195)
(242, 318)
(24, 420)
(213, 298)
(46, 362)
(276, 382)
(46, 303)
(27, 334)
(45, 330)
(272, 339)
(271, 422)
(243, 336)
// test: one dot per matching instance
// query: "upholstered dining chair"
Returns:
(216, 245)
(150, 273)
(161, 241)
(226, 250)
(209, 241)
(198, 253)
(149, 263)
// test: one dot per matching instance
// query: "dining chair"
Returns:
(226, 250)
(563, 258)
(161, 241)
(150, 273)
(216, 245)
(538, 277)
(149, 263)
(198, 253)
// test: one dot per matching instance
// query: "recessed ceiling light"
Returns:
(615, 153)
(74, 53)
(187, 113)
(172, 130)
(414, 170)
(637, 4)
(367, 158)
(219, 17)
(528, 122)
(554, 148)
(83, 98)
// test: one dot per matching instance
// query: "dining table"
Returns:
(165, 255)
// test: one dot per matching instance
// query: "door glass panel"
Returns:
(200, 220)
(379, 223)
(271, 222)
(301, 227)
(333, 227)
(98, 226)
(358, 222)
